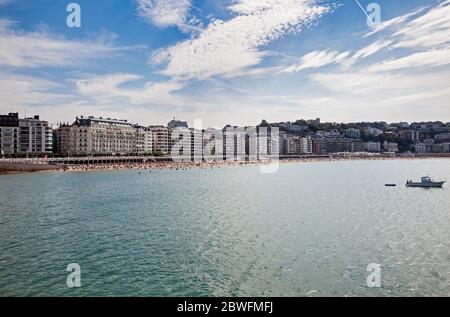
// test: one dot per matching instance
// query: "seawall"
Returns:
(6, 168)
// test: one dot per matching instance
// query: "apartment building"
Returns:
(372, 146)
(306, 146)
(9, 133)
(30, 136)
(160, 139)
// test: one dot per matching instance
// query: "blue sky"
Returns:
(229, 61)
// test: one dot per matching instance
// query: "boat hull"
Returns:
(422, 185)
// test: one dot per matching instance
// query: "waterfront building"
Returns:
(390, 146)
(274, 144)
(212, 144)
(99, 136)
(35, 136)
(148, 141)
(441, 148)
(423, 148)
(140, 140)
(319, 146)
(338, 146)
(263, 142)
(196, 140)
(30, 136)
(9, 133)
(160, 138)
(269, 142)
(65, 139)
(306, 146)
(285, 146)
(292, 145)
(358, 146)
(180, 144)
(187, 142)
(372, 146)
(172, 127)
(234, 139)
(251, 143)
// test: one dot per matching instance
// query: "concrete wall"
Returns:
(26, 167)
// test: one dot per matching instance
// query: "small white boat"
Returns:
(426, 182)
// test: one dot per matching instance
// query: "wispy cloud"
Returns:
(107, 88)
(36, 49)
(426, 31)
(376, 87)
(19, 91)
(371, 49)
(226, 47)
(428, 59)
(317, 59)
(393, 22)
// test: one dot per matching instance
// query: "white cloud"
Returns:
(412, 83)
(108, 88)
(163, 13)
(102, 95)
(255, 72)
(19, 91)
(371, 49)
(382, 86)
(425, 35)
(226, 47)
(429, 30)
(317, 59)
(431, 58)
(36, 49)
(418, 97)
(351, 83)
(393, 22)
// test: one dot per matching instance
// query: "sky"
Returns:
(226, 61)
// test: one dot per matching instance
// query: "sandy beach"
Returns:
(224, 164)
(150, 165)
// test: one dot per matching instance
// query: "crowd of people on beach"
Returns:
(154, 166)
(170, 165)
(201, 165)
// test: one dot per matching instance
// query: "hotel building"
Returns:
(99, 136)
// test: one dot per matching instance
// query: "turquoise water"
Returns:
(310, 229)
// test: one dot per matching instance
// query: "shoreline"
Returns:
(27, 168)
